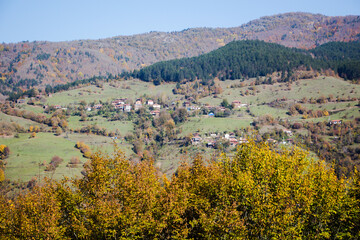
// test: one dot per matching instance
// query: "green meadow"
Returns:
(109, 91)
(212, 124)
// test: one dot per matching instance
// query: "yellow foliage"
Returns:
(258, 194)
(220, 42)
(2, 175)
(2, 148)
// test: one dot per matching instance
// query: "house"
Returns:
(211, 114)
(57, 107)
(210, 144)
(156, 106)
(236, 104)
(288, 132)
(98, 106)
(231, 135)
(194, 107)
(196, 139)
(150, 102)
(233, 142)
(242, 140)
(186, 104)
(335, 122)
(21, 101)
(127, 107)
(270, 140)
(120, 106)
(138, 104)
(155, 113)
(119, 101)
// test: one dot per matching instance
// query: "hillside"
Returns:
(253, 58)
(29, 64)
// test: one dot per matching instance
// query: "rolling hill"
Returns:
(28, 64)
(253, 58)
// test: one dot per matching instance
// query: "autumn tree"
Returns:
(4, 151)
(260, 193)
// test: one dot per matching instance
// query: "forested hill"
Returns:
(252, 58)
(28, 64)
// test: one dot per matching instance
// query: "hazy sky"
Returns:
(60, 20)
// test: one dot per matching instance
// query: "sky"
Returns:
(64, 20)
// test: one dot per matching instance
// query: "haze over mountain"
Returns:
(28, 64)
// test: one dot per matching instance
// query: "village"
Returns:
(216, 139)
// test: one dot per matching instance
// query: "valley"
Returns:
(249, 132)
(240, 110)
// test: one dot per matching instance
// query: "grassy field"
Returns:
(124, 89)
(212, 124)
(26, 154)
(35, 109)
(21, 121)
(170, 157)
(123, 127)
(100, 143)
(303, 88)
(260, 110)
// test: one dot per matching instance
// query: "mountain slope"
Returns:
(41, 63)
(252, 58)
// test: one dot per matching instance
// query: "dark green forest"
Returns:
(253, 58)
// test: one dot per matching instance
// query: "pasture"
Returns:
(118, 89)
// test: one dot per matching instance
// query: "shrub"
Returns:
(54, 163)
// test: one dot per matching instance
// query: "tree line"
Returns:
(260, 193)
(253, 58)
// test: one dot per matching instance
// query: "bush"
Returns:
(75, 160)
(4, 151)
(297, 125)
(85, 149)
(54, 163)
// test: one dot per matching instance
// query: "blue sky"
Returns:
(62, 20)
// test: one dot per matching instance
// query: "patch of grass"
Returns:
(212, 124)
(35, 109)
(124, 89)
(27, 153)
(101, 143)
(170, 157)
(261, 110)
(303, 88)
(21, 121)
(123, 127)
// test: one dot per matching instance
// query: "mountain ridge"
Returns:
(53, 63)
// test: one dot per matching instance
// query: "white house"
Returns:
(127, 107)
(156, 106)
